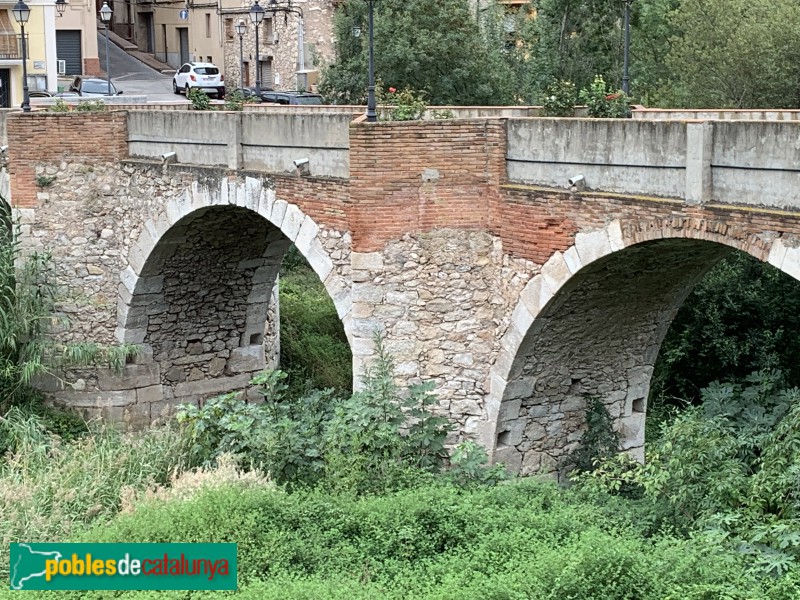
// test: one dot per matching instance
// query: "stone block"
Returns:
(592, 245)
(253, 192)
(459, 408)
(363, 346)
(153, 393)
(247, 359)
(556, 272)
(512, 339)
(205, 387)
(631, 431)
(319, 260)
(136, 416)
(508, 456)
(308, 232)
(265, 201)
(292, 221)
(509, 410)
(520, 388)
(372, 261)
(368, 293)
(521, 318)
(536, 295)
(128, 278)
(130, 377)
(573, 260)
(512, 432)
(615, 239)
(278, 212)
(339, 291)
(777, 253)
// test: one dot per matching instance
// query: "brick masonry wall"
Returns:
(414, 177)
(37, 138)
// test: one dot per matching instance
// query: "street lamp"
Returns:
(22, 13)
(256, 16)
(372, 114)
(105, 17)
(61, 6)
(626, 51)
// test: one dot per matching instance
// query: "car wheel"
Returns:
(221, 94)
(175, 89)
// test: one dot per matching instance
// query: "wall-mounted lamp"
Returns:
(577, 183)
(61, 6)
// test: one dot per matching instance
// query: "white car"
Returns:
(203, 76)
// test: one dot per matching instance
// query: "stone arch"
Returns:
(244, 286)
(530, 432)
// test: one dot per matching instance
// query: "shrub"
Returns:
(91, 106)
(234, 101)
(603, 102)
(404, 105)
(60, 106)
(199, 99)
(559, 99)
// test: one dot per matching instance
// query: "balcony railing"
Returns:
(10, 46)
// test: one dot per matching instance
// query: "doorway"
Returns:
(5, 88)
(183, 43)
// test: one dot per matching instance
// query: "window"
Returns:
(269, 32)
(208, 25)
(228, 29)
(246, 68)
(206, 70)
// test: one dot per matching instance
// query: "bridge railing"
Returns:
(730, 162)
(272, 142)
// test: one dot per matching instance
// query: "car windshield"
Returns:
(96, 87)
(206, 70)
(308, 100)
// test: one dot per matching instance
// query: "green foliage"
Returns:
(314, 348)
(603, 103)
(26, 304)
(59, 106)
(743, 316)
(234, 101)
(431, 47)
(199, 99)
(44, 181)
(404, 105)
(524, 539)
(91, 106)
(559, 99)
(51, 487)
(379, 439)
(599, 442)
(734, 54)
(730, 469)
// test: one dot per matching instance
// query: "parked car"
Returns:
(292, 98)
(248, 94)
(39, 94)
(202, 76)
(93, 86)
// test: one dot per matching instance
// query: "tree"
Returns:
(743, 316)
(735, 54)
(433, 47)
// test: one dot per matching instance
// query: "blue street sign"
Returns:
(184, 14)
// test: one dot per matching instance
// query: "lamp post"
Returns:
(240, 28)
(105, 17)
(22, 13)
(372, 114)
(256, 16)
(627, 48)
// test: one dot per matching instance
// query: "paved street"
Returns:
(134, 77)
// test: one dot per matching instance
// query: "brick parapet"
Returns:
(410, 177)
(39, 138)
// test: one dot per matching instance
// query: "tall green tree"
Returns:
(734, 54)
(435, 47)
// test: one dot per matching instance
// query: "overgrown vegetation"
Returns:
(315, 353)
(727, 471)
(27, 310)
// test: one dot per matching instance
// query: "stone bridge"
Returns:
(463, 241)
